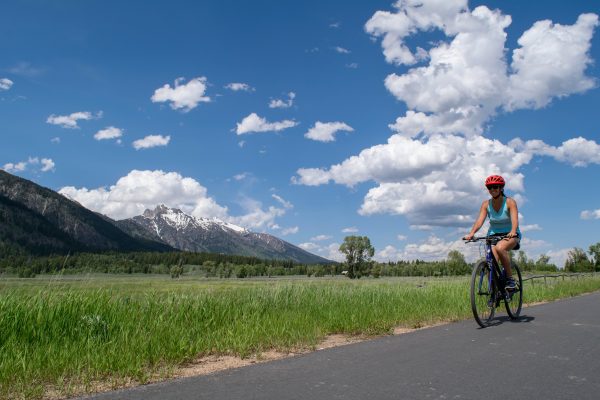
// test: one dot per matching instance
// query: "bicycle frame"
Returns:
(497, 277)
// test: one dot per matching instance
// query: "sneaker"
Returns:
(510, 284)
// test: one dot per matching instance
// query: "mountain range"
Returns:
(37, 220)
(184, 232)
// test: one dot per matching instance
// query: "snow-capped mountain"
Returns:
(181, 231)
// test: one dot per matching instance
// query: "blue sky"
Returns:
(312, 120)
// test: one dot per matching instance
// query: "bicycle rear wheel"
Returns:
(514, 302)
(483, 302)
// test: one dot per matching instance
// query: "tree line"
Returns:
(358, 263)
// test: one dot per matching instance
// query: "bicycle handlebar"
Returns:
(487, 238)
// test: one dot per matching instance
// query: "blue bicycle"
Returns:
(488, 286)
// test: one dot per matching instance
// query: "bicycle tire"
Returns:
(483, 299)
(514, 302)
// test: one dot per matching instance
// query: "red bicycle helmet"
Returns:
(494, 180)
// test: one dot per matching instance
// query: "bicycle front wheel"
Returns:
(514, 299)
(483, 302)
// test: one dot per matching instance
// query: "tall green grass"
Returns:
(58, 334)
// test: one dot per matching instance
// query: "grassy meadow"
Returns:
(62, 333)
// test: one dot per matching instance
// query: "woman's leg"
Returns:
(501, 252)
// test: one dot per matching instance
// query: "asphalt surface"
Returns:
(551, 352)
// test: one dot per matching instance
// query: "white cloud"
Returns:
(256, 217)
(236, 87)
(241, 177)
(578, 152)
(47, 164)
(140, 190)
(529, 228)
(254, 123)
(5, 84)
(351, 229)
(352, 65)
(286, 204)
(151, 141)
(278, 103)
(108, 133)
(43, 165)
(335, 24)
(325, 131)
(467, 79)
(185, 97)
(55, 140)
(308, 246)
(330, 251)
(558, 257)
(290, 231)
(431, 249)
(15, 167)
(590, 214)
(431, 181)
(411, 17)
(341, 50)
(70, 121)
(401, 237)
(551, 62)
(320, 238)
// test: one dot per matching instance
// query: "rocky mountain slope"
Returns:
(40, 221)
(188, 233)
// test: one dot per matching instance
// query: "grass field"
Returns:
(62, 333)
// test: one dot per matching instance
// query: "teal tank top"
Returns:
(500, 221)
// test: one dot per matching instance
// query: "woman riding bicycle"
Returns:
(504, 221)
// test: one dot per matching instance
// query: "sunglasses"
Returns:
(494, 187)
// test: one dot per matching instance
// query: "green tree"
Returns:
(595, 253)
(456, 263)
(543, 264)
(577, 261)
(358, 251)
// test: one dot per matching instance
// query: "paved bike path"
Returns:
(552, 352)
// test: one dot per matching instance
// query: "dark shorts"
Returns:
(518, 239)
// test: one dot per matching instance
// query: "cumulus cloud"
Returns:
(578, 152)
(551, 62)
(254, 123)
(434, 164)
(278, 103)
(47, 164)
(432, 180)
(70, 121)
(590, 214)
(108, 133)
(15, 167)
(431, 249)
(237, 86)
(151, 141)
(351, 229)
(325, 131)
(42, 165)
(341, 50)
(183, 97)
(467, 79)
(141, 190)
(5, 84)
(256, 217)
